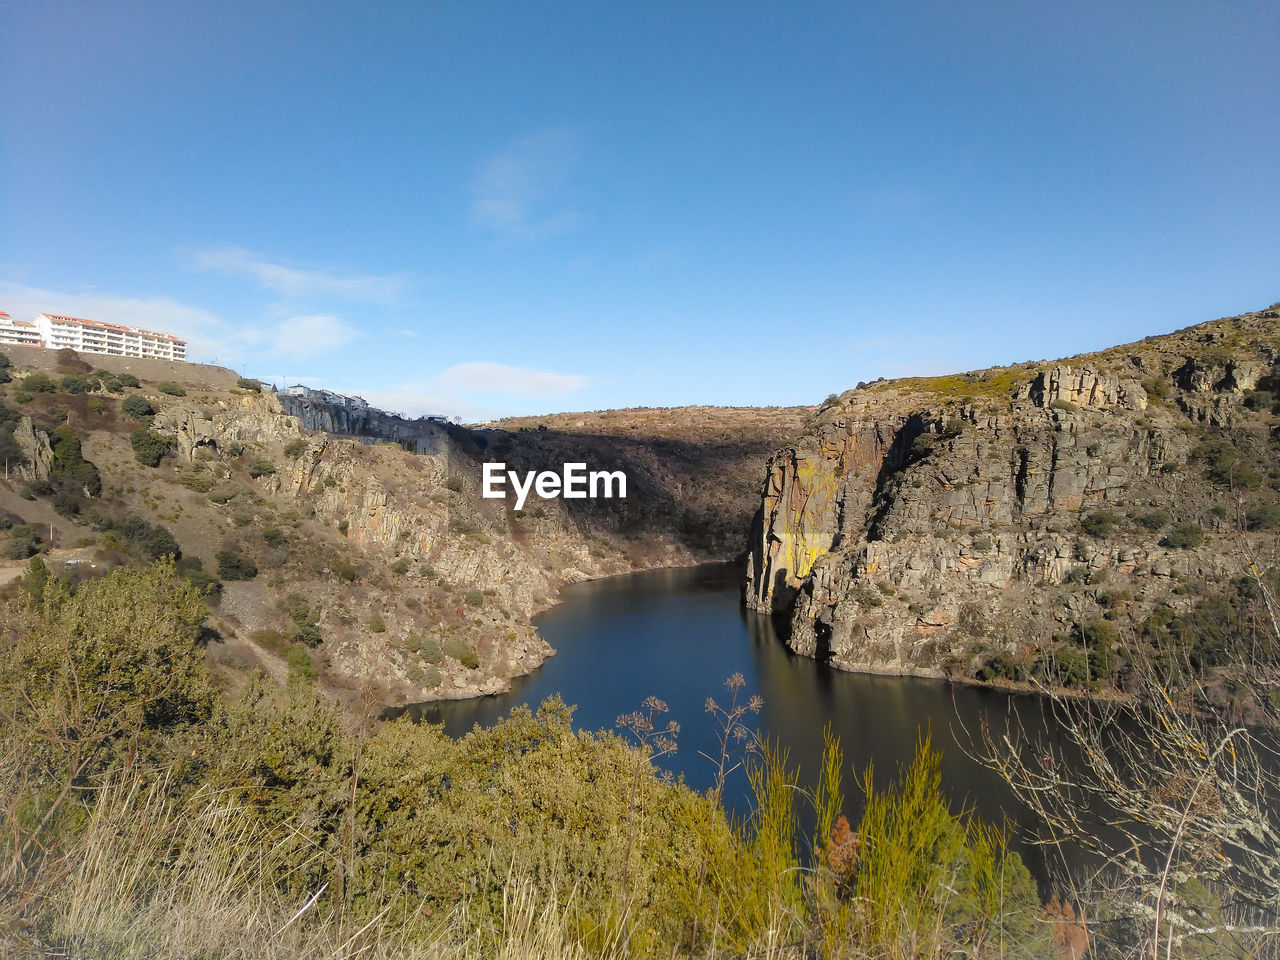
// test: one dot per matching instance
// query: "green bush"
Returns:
(1154, 520)
(149, 448)
(73, 384)
(224, 494)
(462, 653)
(128, 380)
(307, 630)
(1065, 665)
(205, 583)
(295, 448)
(1156, 387)
(67, 503)
(377, 624)
(1185, 536)
(253, 386)
(34, 580)
(119, 659)
(1259, 399)
(38, 383)
(70, 466)
(1003, 667)
(1265, 517)
(140, 538)
(474, 598)
(454, 484)
(430, 650)
(1101, 633)
(950, 430)
(1099, 525)
(913, 846)
(1226, 467)
(137, 406)
(261, 467)
(864, 595)
(199, 482)
(300, 663)
(232, 565)
(171, 388)
(274, 537)
(22, 543)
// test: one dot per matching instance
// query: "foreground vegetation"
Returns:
(146, 814)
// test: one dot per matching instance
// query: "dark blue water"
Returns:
(678, 634)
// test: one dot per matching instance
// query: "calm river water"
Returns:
(679, 633)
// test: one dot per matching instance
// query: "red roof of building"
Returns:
(87, 323)
(113, 326)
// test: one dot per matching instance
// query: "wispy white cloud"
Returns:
(521, 192)
(309, 335)
(301, 282)
(486, 377)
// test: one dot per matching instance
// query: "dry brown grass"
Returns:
(151, 877)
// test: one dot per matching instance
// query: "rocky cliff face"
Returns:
(417, 584)
(441, 569)
(933, 526)
(417, 436)
(37, 452)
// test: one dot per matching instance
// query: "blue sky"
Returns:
(482, 208)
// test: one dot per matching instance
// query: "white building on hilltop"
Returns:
(19, 332)
(94, 336)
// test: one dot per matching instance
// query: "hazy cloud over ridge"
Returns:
(296, 281)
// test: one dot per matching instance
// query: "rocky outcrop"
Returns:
(1082, 387)
(421, 436)
(814, 491)
(249, 418)
(37, 465)
(925, 526)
